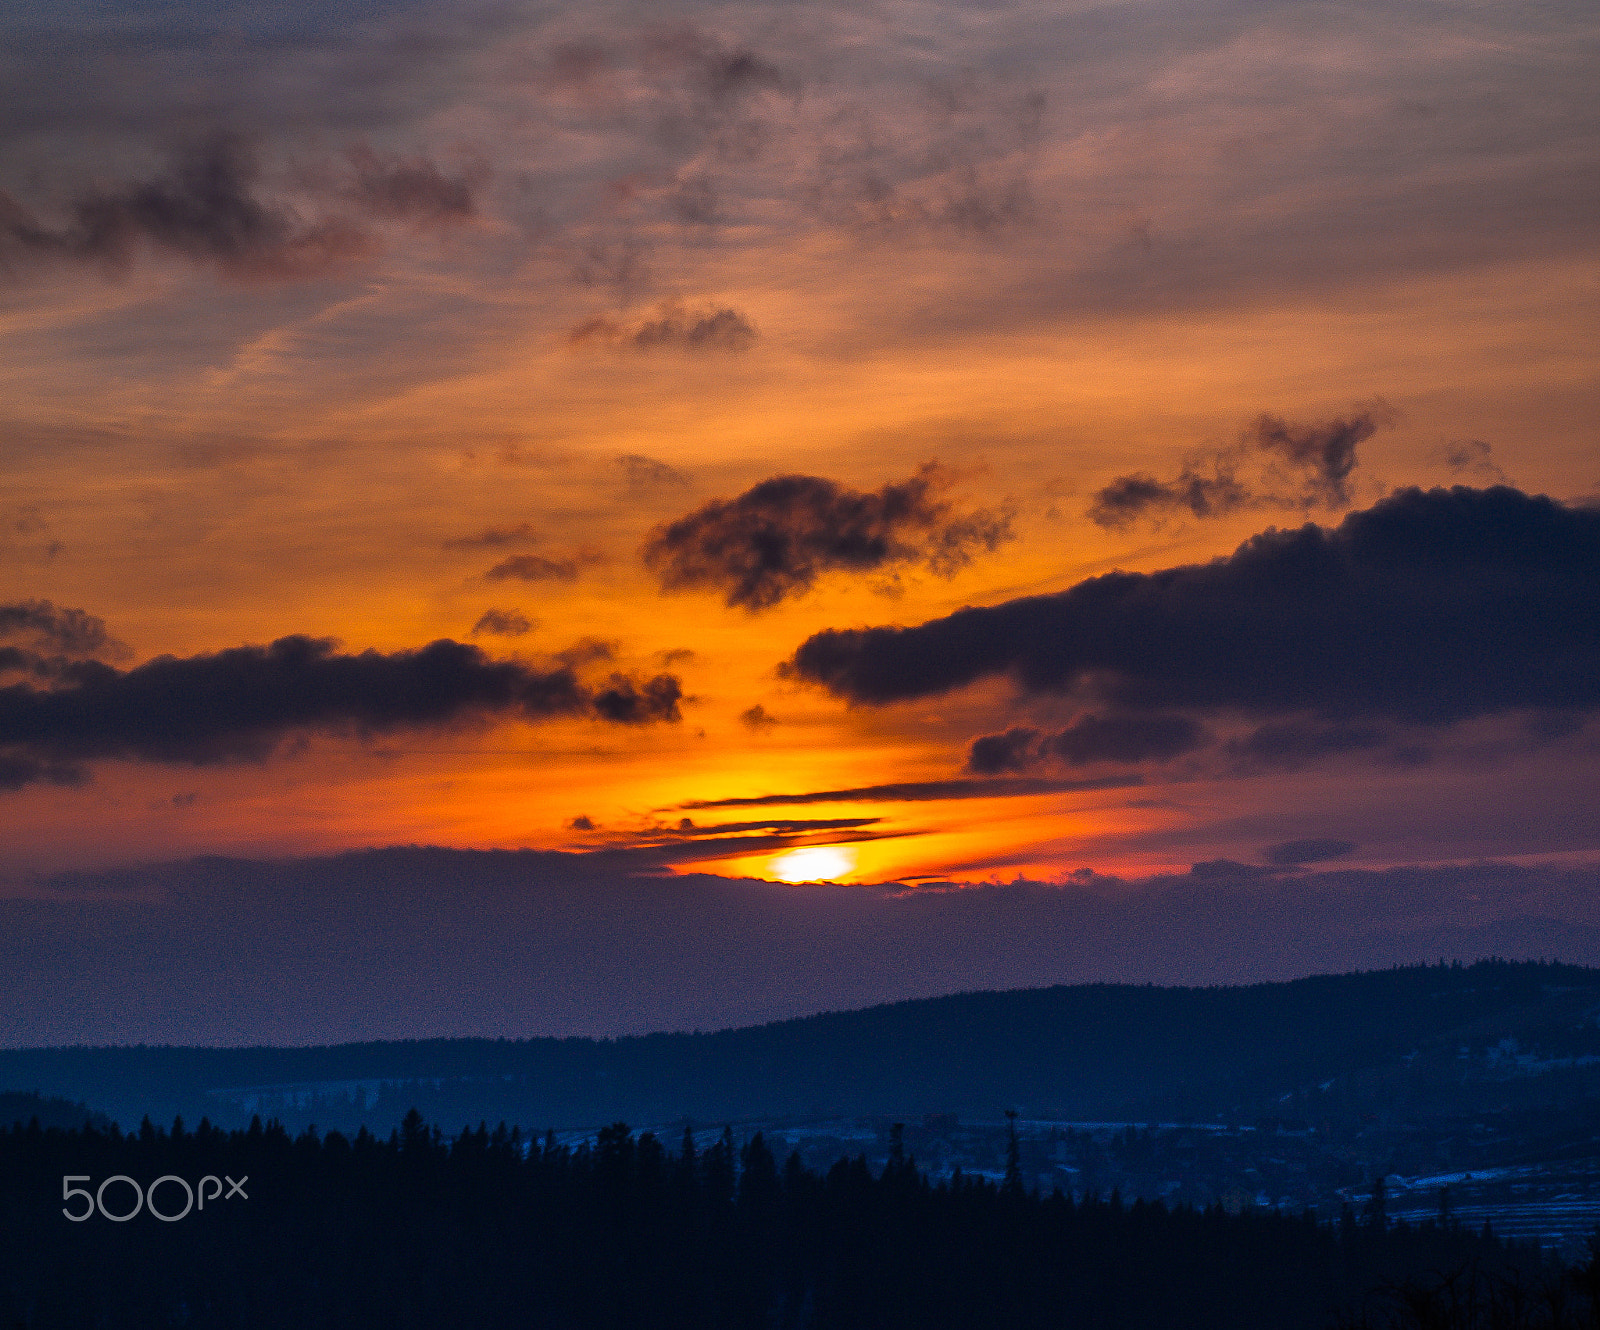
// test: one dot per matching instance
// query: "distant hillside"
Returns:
(1428, 1039)
(49, 1112)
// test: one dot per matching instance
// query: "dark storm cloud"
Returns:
(1429, 607)
(778, 537)
(922, 791)
(206, 208)
(503, 623)
(240, 704)
(1289, 853)
(1088, 739)
(1319, 458)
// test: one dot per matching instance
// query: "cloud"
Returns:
(1130, 497)
(625, 701)
(534, 568)
(206, 209)
(672, 328)
(24, 531)
(1429, 607)
(514, 944)
(646, 473)
(412, 189)
(788, 826)
(17, 770)
(922, 791)
(240, 704)
(1294, 744)
(503, 623)
(957, 158)
(588, 650)
(68, 632)
(757, 718)
(209, 207)
(494, 538)
(1319, 459)
(720, 78)
(722, 329)
(1325, 454)
(1472, 457)
(1290, 853)
(51, 643)
(1089, 739)
(729, 75)
(910, 125)
(774, 540)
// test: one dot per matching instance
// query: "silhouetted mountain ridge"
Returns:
(1444, 1035)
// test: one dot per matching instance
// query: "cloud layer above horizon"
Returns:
(420, 943)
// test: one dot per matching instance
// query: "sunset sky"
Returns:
(797, 441)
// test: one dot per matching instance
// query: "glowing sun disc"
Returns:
(812, 863)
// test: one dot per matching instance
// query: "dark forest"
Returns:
(486, 1228)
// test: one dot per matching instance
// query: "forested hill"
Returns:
(487, 1230)
(1309, 1048)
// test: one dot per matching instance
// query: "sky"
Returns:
(1014, 463)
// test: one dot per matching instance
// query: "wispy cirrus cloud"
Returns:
(921, 791)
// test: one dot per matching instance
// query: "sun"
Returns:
(813, 863)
